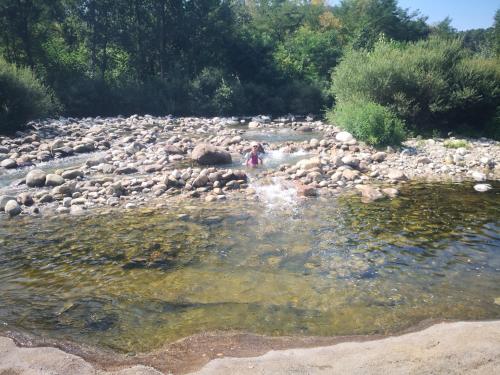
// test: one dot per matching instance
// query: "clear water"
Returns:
(132, 281)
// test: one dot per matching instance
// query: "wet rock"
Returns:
(12, 208)
(307, 164)
(8, 164)
(72, 174)
(83, 148)
(307, 191)
(46, 198)
(4, 199)
(206, 154)
(478, 176)
(25, 198)
(4, 150)
(391, 192)
(305, 129)
(344, 137)
(482, 187)
(36, 178)
(396, 175)
(126, 170)
(369, 193)
(53, 179)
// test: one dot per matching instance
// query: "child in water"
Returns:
(255, 156)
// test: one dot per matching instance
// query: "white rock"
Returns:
(478, 176)
(482, 187)
(344, 137)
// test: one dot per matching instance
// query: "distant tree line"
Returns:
(210, 57)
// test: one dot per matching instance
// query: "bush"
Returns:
(22, 98)
(431, 84)
(369, 122)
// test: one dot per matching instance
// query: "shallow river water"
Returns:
(134, 280)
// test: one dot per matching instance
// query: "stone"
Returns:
(424, 160)
(4, 150)
(12, 208)
(253, 125)
(390, 192)
(36, 178)
(482, 187)
(350, 174)
(67, 202)
(126, 170)
(53, 179)
(72, 174)
(46, 198)
(8, 163)
(350, 161)
(379, 156)
(83, 148)
(206, 154)
(25, 198)
(344, 137)
(369, 193)
(173, 149)
(396, 175)
(307, 191)
(305, 129)
(200, 181)
(307, 164)
(4, 199)
(478, 176)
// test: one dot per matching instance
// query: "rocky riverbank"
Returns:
(452, 348)
(138, 161)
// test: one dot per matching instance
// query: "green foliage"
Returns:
(369, 122)
(456, 143)
(22, 97)
(429, 84)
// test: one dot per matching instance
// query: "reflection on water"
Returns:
(132, 281)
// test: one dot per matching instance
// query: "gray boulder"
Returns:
(53, 179)
(12, 208)
(206, 154)
(4, 199)
(72, 174)
(36, 178)
(8, 163)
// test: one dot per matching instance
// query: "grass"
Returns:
(455, 143)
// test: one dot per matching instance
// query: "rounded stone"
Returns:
(36, 178)
(12, 208)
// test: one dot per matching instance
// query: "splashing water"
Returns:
(276, 193)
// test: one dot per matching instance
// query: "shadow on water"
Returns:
(134, 280)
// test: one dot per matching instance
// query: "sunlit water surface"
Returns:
(134, 280)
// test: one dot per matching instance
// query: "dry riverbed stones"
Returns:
(136, 161)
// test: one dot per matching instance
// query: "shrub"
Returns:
(369, 122)
(22, 97)
(431, 84)
(455, 143)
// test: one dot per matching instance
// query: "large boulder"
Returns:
(12, 208)
(206, 154)
(36, 178)
(8, 164)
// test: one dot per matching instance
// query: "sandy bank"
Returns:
(446, 348)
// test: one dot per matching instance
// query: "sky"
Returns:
(465, 14)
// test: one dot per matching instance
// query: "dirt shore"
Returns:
(444, 348)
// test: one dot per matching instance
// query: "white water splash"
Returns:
(276, 193)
